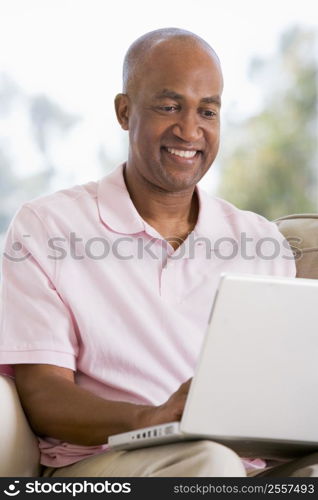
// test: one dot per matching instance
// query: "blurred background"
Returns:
(60, 68)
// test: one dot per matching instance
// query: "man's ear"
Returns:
(122, 110)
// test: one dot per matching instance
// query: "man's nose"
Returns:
(187, 127)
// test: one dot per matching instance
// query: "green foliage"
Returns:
(270, 160)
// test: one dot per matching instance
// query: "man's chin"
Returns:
(180, 180)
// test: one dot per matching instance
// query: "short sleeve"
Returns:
(35, 324)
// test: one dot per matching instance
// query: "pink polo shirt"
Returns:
(89, 285)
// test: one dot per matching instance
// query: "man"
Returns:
(108, 286)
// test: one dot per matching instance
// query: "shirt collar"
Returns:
(118, 212)
(213, 216)
(115, 207)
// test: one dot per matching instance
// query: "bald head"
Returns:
(173, 39)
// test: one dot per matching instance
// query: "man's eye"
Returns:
(208, 113)
(168, 109)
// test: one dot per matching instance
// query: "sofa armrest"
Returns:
(19, 451)
(301, 231)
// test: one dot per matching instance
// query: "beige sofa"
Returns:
(19, 455)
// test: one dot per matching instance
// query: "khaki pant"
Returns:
(188, 459)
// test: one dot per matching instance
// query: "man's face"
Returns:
(173, 117)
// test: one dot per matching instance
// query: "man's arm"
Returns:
(58, 408)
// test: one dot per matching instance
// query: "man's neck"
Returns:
(173, 215)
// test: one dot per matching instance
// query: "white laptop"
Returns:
(255, 387)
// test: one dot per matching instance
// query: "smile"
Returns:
(182, 153)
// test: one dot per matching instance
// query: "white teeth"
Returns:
(182, 153)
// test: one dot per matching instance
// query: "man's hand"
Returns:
(170, 411)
